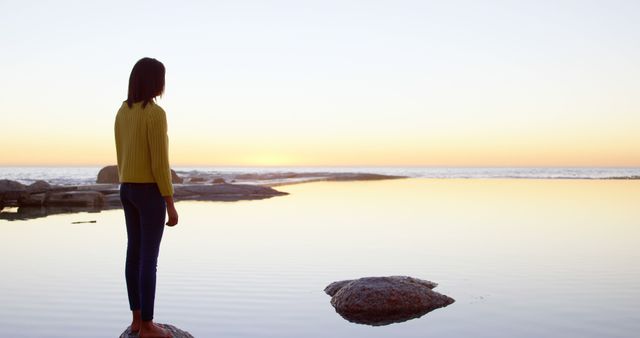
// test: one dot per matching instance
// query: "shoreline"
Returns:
(94, 189)
(42, 199)
(275, 176)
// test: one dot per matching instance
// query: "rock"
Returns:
(112, 200)
(332, 288)
(218, 180)
(385, 300)
(175, 178)
(197, 180)
(101, 188)
(109, 174)
(33, 200)
(38, 186)
(12, 191)
(176, 332)
(223, 192)
(75, 198)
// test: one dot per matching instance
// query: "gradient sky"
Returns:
(433, 83)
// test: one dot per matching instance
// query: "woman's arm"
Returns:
(159, 149)
(171, 211)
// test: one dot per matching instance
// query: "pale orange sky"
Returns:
(325, 83)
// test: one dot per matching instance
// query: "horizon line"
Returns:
(335, 166)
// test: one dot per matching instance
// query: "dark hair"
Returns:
(146, 81)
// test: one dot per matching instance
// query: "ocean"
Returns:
(87, 175)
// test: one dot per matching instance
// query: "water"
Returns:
(87, 175)
(522, 258)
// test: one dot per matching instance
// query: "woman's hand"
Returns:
(171, 211)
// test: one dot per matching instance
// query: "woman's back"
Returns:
(142, 145)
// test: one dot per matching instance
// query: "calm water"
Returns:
(522, 258)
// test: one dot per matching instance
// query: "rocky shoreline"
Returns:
(41, 199)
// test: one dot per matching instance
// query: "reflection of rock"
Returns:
(385, 300)
(109, 174)
(24, 213)
(75, 198)
(175, 332)
(223, 192)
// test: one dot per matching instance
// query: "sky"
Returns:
(336, 83)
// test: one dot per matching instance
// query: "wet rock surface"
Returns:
(385, 300)
(176, 332)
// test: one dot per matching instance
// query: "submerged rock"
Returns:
(109, 174)
(385, 300)
(176, 332)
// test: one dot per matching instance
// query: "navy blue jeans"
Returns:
(144, 212)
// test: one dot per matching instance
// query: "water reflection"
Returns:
(528, 258)
(25, 213)
(381, 319)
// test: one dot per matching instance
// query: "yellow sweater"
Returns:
(142, 146)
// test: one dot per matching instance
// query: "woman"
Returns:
(146, 191)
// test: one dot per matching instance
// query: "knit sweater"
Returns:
(142, 146)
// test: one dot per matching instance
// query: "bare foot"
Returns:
(152, 330)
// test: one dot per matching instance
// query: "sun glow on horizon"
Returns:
(331, 84)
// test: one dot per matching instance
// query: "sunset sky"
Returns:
(391, 83)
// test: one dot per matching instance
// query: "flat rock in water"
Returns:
(176, 332)
(385, 300)
(223, 192)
